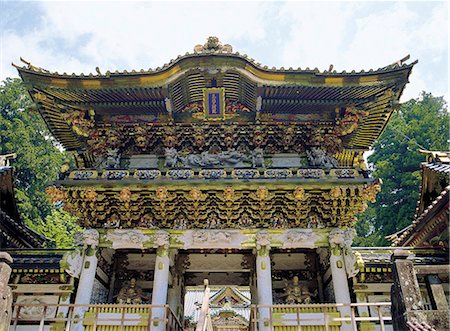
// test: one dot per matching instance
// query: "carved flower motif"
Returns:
(162, 193)
(90, 194)
(335, 192)
(258, 140)
(262, 193)
(195, 194)
(228, 193)
(125, 195)
(299, 193)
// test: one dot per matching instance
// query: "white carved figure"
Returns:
(180, 223)
(220, 237)
(348, 238)
(161, 239)
(90, 237)
(35, 305)
(318, 157)
(230, 157)
(336, 237)
(111, 160)
(212, 222)
(171, 156)
(257, 156)
(262, 239)
(200, 237)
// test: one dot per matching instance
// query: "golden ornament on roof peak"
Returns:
(213, 45)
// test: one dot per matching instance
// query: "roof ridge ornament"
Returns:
(32, 67)
(213, 45)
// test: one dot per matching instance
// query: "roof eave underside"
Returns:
(438, 206)
(298, 88)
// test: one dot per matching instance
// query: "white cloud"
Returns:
(77, 37)
(434, 32)
(316, 33)
(131, 35)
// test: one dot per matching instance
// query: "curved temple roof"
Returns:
(180, 83)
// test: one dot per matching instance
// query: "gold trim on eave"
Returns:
(265, 75)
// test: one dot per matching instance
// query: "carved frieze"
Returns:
(127, 238)
(299, 238)
(211, 237)
(227, 158)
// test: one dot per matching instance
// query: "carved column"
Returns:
(340, 241)
(263, 278)
(161, 279)
(88, 271)
(5, 291)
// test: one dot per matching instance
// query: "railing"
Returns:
(95, 317)
(327, 317)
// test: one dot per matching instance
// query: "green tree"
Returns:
(23, 131)
(59, 219)
(421, 123)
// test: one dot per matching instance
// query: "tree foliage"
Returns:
(60, 228)
(421, 123)
(23, 131)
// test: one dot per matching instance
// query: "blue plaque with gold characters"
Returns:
(214, 103)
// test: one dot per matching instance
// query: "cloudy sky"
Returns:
(78, 36)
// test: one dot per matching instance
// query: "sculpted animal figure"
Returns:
(171, 156)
